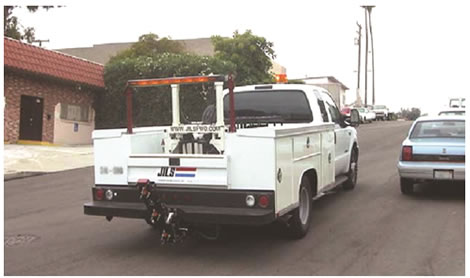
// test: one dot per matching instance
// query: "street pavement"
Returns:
(372, 230)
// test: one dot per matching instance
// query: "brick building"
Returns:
(48, 95)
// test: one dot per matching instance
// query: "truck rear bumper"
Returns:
(195, 205)
(117, 209)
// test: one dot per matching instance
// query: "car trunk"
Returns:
(438, 149)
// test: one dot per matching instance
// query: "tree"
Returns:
(250, 54)
(411, 115)
(149, 45)
(12, 27)
(148, 58)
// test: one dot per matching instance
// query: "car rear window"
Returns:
(436, 129)
(289, 106)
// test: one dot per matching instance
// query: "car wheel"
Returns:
(406, 186)
(350, 183)
(299, 223)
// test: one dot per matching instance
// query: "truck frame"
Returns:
(251, 171)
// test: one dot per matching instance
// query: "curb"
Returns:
(37, 143)
(22, 175)
(26, 174)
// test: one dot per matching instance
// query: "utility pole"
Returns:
(367, 54)
(358, 90)
(372, 48)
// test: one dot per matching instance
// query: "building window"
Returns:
(70, 112)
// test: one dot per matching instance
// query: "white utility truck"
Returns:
(262, 153)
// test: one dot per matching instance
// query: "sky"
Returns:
(421, 47)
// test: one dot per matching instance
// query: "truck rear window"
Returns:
(285, 106)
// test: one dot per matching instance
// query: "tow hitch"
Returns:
(163, 218)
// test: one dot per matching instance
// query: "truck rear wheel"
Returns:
(300, 222)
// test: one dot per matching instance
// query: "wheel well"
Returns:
(312, 177)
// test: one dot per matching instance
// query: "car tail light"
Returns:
(263, 201)
(99, 194)
(407, 153)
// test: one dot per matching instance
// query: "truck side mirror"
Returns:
(355, 119)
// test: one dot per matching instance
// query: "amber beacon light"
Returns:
(281, 78)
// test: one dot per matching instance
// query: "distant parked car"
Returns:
(381, 112)
(366, 114)
(346, 111)
(452, 112)
(434, 150)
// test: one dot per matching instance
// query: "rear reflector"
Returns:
(263, 201)
(407, 153)
(99, 194)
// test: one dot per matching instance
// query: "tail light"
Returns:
(263, 201)
(99, 194)
(407, 153)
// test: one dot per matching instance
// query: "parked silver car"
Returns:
(434, 150)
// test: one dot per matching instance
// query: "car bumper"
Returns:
(426, 170)
(194, 205)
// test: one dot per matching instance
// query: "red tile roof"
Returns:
(35, 59)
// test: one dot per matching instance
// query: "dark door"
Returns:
(31, 118)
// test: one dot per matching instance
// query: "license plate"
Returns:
(444, 174)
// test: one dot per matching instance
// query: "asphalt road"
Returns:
(372, 230)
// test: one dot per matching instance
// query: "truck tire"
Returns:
(350, 183)
(406, 186)
(301, 217)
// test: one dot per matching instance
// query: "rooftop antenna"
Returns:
(40, 42)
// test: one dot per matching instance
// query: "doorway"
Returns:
(31, 118)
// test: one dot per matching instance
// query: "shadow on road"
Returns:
(440, 191)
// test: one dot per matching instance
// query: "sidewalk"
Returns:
(28, 160)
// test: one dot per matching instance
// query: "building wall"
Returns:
(72, 132)
(102, 53)
(335, 90)
(277, 68)
(53, 93)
